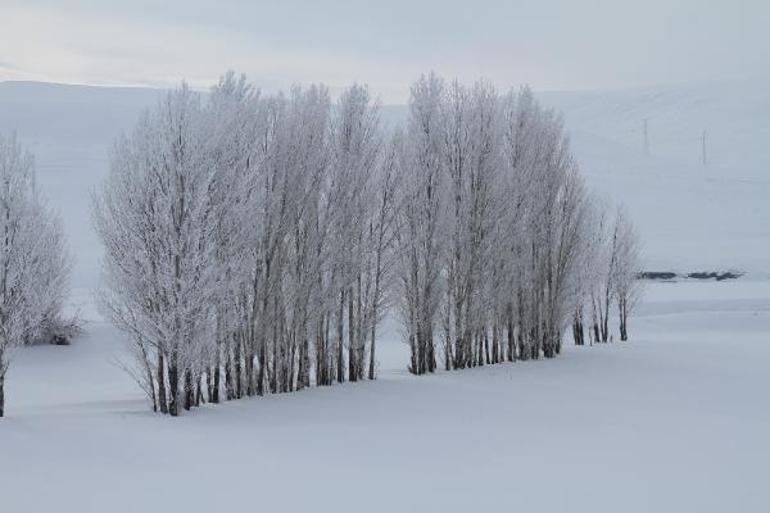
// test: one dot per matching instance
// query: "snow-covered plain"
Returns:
(677, 419)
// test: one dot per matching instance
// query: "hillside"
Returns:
(691, 216)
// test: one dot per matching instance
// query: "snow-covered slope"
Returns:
(690, 216)
(71, 113)
(70, 130)
(735, 116)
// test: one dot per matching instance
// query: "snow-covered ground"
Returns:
(677, 419)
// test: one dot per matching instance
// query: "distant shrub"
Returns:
(728, 275)
(57, 331)
(656, 275)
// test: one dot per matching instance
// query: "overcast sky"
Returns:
(550, 44)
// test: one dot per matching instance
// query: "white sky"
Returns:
(550, 44)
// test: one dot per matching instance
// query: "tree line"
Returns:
(253, 243)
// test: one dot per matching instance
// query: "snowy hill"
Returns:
(691, 216)
(72, 114)
(735, 116)
(70, 130)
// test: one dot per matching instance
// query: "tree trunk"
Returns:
(189, 390)
(577, 330)
(210, 384)
(276, 363)
(261, 372)
(511, 346)
(360, 335)
(199, 398)
(448, 336)
(162, 403)
(229, 384)
(371, 349)
(2, 394)
(321, 355)
(214, 371)
(288, 366)
(238, 374)
(305, 362)
(215, 385)
(352, 357)
(249, 364)
(623, 320)
(605, 318)
(340, 340)
(431, 351)
(150, 378)
(173, 384)
(413, 354)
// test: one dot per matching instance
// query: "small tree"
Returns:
(34, 263)
(626, 269)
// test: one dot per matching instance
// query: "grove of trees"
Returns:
(253, 243)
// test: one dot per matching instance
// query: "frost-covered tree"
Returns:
(156, 221)
(625, 282)
(420, 240)
(600, 275)
(34, 261)
(233, 121)
(379, 262)
(588, 274)
(613, 268)
(472, 162)
(546, 207)
(302, 252)
(356, 149)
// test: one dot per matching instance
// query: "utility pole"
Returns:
(646, 139)
(703, 147)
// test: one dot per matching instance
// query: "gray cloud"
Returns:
(550, 44)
